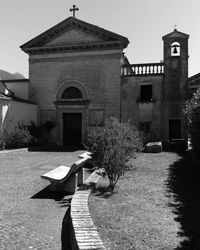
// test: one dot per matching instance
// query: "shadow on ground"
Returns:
(68, 235)
(54, 149)
(184, 184)
(68, 239)
(47, 193)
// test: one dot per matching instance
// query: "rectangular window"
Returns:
(47, 115)
(146, 93)
(96, 117)
(145, 127)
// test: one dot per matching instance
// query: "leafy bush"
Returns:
(112, 147)
(2, 144)
(41, 132)
(48, 126)
(17, 135)
(36, 131)
(192, 112)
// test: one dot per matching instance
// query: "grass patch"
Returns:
(142, 212)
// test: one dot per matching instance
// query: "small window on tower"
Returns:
(146, 93)
(175, 49)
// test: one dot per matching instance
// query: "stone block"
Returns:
(153, 147)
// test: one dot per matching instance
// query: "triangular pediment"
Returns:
(74, 34)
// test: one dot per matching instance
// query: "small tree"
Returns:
(112, 147)
(192, 112)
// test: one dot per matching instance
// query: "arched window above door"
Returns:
(72, 93)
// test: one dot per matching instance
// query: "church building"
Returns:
(79, 78)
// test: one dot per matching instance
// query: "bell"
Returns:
(175, 50)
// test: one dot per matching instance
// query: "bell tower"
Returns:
(174, 89)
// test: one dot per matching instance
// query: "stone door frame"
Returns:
(71, 106)
(62, 109)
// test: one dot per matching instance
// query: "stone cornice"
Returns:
(75, 47)
(74, 55)
(72, 102)
(106, 38)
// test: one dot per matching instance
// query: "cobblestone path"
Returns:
(29, 218)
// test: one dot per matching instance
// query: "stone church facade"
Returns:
(79, 78)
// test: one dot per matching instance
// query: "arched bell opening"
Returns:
(175, 49)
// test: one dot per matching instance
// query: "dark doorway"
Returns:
(72, 129)
(174, 129)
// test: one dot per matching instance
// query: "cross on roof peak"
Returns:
(74, 9)
(175, 27)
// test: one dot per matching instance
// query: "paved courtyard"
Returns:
(30, 216)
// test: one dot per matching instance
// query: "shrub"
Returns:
(36, 131)
(48, 126)
(41, 133)
(192, 112)
(112, 147)
(2, 144)
(17, 135)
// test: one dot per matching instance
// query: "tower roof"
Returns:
(175, 33)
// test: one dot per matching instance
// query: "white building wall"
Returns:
(14, 112)
(20, 89)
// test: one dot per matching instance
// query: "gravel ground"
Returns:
(30, 216)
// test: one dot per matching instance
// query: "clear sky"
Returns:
(143, 22)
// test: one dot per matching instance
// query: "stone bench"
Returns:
(67, 178)
(153, 147)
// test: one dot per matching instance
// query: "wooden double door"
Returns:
(72, 129)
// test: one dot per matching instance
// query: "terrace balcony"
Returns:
(143, 69)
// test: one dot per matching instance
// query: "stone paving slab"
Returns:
(30, 216)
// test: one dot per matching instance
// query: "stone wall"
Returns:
(135, 110)
(97, 71)
(175, 88)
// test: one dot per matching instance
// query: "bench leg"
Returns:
(80, 177)
(68, 187)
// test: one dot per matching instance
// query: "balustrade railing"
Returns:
(142, 69)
